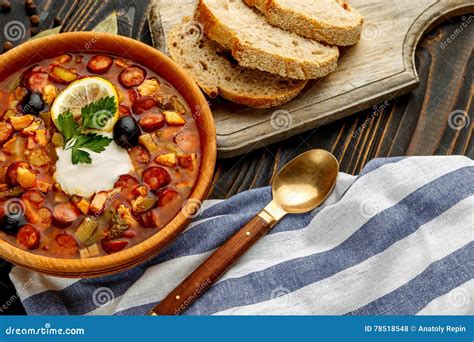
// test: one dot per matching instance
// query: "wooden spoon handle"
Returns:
(212, 269)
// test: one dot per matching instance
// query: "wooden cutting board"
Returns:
(379, 68)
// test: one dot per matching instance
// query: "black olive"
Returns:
(11, 224)
(32, 103)
(126, 132)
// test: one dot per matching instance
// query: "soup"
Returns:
(97, 154)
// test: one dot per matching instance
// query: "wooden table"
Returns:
(414, 124)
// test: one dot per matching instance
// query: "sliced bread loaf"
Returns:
(208, 64)
(258, 45)
(331, 21)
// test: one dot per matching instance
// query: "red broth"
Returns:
(37, 215)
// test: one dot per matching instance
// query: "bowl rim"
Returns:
(123, 260)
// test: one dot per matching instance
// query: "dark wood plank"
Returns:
(414, 124)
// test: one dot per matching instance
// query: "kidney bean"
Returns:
(165, 196)
(99, 64)
(132, 76)
(28, 236)
(113, 246)
(124, 111)
(148, 219)
(6, 132)
(65, 213)
(142, 104)
(156, 177)
(152, 121)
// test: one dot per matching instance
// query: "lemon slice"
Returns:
(82, 92)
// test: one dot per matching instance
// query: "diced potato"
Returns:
(39, 158)
(32, 128)
(57, 139)
(64, 58)
(146, 140)
(188, 161)
(41, 137)
(127, 216)
(64, 74)
(15, 146)
(21, 122)
(98, 202)
(26, 178)
(90, 252)
(149, 87)
(83, 206)
(43, 186)
(49, 94)
(9, 113)
(173, 118)
(142, 204)
(168, 159)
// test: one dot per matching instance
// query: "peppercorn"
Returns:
(6, 6)
(30, 7)
(34, 31)
(7, 46)
(57, 21)
(34, 20)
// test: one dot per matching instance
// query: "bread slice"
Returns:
(208, 64)
(331, 21)
(256, 44)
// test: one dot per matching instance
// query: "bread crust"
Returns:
(253, 57)
(310, 27)
(253, 99)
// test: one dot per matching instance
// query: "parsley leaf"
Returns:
(80, 156)
(67, 125)
(96, 114)
(92, 141)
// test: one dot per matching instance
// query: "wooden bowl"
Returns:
(42, 48)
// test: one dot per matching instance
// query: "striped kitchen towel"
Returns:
(396, 240)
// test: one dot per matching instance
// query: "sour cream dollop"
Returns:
(86, 179)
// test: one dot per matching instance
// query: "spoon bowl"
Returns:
(305, 182)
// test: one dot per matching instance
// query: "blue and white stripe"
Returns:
(397, 239)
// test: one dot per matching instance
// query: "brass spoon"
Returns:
(301, 186)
